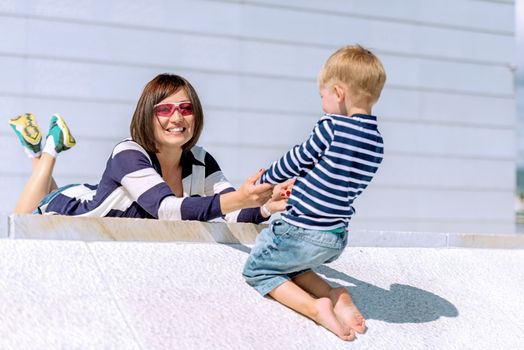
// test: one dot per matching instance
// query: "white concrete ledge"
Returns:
(170, 295)
(124, 229)
(66, 283)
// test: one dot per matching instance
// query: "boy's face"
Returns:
(330, 100)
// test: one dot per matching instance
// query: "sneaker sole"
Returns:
(69, 140)
(27, 129)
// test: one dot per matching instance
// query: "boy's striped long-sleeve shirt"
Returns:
(332, 168)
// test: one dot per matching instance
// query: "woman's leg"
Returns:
(41, 181)
(38, 185)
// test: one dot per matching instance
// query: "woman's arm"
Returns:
(216, 182)
(211, 207)
(247, 196)
(131, 169)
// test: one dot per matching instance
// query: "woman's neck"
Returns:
(169, 159)
(170, 163)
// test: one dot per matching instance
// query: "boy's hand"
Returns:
(281, 193)
(283, 190)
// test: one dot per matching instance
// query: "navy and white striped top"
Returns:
(132, 186)
(332, 167)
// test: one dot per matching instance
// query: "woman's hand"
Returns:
(255, 195)
(249, 195)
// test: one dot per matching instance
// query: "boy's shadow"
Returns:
(400, 304)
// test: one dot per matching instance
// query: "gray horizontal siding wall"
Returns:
(447, 112)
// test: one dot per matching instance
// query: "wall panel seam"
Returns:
(284, 147)
(375, 186)
(368, 17)
(384, 117)
(403, 187)
(278, 7)
(423, 220)
(258, 75)
(244, 38)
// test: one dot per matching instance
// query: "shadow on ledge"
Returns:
(400, 304)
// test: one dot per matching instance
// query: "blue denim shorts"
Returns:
(283, 251)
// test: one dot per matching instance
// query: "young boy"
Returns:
(332, 168)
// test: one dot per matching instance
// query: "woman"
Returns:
(158, 173)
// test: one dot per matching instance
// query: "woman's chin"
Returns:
(175, 141)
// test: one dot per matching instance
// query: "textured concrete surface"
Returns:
(125, 229)
(53, 296)
(168, 295)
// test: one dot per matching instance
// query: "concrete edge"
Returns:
(4, 225)
(128, 229)
(57, 227)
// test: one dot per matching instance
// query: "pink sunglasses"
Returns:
(166, 110)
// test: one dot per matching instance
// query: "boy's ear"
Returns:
(340, 91)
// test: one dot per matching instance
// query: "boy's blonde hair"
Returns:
(358, 69)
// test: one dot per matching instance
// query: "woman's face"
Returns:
(174, 121)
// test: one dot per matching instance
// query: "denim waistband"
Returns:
(337, 230)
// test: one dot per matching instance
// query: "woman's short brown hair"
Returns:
(161, 87)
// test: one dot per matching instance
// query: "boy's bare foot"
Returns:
(325, 316)
(346, 311)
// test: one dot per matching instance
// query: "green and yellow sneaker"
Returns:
(60, 134)
(28, 133)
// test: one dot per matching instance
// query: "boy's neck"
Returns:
(358, 110)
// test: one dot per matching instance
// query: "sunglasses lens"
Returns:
(165, 110)
(185, 109)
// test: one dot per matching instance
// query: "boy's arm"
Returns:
(301, 157)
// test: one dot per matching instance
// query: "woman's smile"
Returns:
(176, 130)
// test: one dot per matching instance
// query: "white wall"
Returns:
(519, 93)
(447, 112)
